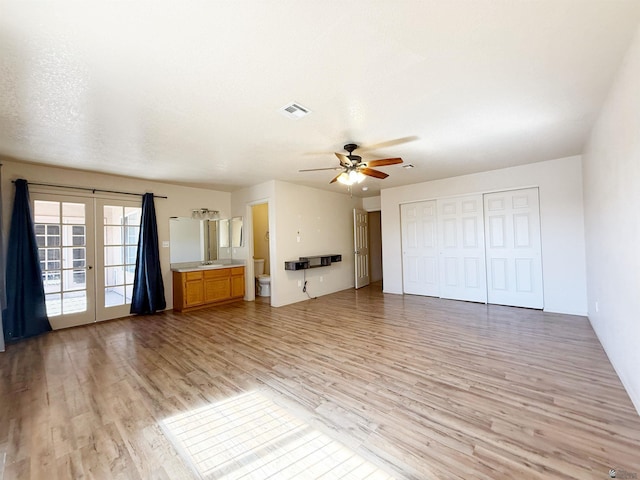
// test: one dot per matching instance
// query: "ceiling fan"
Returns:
(354, 170)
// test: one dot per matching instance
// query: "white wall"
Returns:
(181, 200)
(561, 213)
(324, 222)
(612, 223)
(241, 205)
(371, 204)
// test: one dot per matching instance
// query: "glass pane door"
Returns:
(64, 234)
(116, 253)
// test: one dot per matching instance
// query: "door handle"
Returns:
(88, 267)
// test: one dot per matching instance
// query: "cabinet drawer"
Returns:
(193, 275)
(237, 271)
(217, 273)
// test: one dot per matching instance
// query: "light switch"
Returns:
(165, 244)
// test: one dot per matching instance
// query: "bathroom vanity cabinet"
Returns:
(200, 287)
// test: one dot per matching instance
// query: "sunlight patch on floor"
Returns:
(249, 437)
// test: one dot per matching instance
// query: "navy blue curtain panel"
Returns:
(148, 287)
(26, 312)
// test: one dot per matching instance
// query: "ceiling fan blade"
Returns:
(383, 162)
(318, 169)
(389, 143)
(335, 178)
(344, 160)
(372, 173)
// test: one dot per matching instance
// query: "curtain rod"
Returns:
(88, 189)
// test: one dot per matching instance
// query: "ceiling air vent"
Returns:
(294, 111)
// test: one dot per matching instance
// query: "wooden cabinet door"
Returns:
(217, 285)
(237, 282)
(193, 292)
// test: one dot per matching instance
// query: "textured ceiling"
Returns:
(189, 92)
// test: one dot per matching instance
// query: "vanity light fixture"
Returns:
(205, 214)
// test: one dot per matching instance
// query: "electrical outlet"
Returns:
(299, 283)
(321, 279)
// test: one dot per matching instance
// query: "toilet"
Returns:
(263, 282)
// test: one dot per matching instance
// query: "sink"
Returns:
(209, 267)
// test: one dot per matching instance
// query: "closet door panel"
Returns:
(514, 258)
(419, 248)
(461, 248)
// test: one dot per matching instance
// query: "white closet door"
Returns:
(419, 248)
(462, 255)
(514, 263)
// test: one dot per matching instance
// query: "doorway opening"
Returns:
(375, 247)
(261, 257)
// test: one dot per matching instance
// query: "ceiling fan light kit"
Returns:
(351, 177)
(354, 170)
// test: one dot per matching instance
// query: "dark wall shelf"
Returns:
(315, 261)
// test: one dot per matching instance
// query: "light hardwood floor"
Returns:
(400, 386)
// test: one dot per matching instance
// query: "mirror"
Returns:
(195, 240)
(223, 233)
(236, 232)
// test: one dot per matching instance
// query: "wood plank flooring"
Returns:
(401, 387)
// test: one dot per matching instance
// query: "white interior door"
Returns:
(461, 243)
(64, 227)
(514, 260)
(419, 248)
(361, 247)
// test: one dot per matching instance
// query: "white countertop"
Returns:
(198, 266)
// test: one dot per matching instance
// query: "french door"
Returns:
(64, 228)
(87, 249)
(117, 235)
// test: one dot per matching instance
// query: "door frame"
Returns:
(249, 284)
